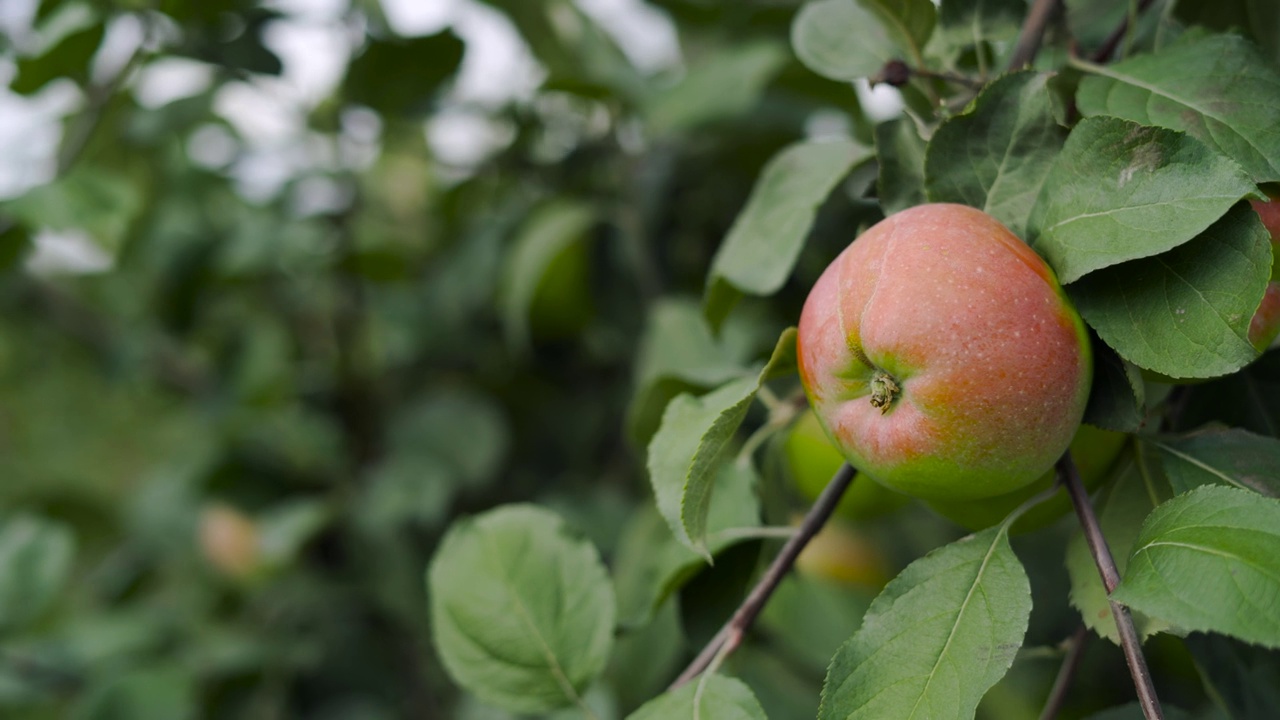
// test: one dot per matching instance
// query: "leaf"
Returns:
(761, 248)
(15, 239)
(36, 556)
(1120, 191)
(1231, 457)
(722, 698)
(463, 429)
(1259, 19)
(100, 202)
(1117, 399)
(693, 434)
(1120, 509)
(651, 565)
(726, 84)
(395, 76)
(967, 24)
(541, 239)
(1185, 313)
(1133, 711)
(522, 611)
(996, 157)
(850, 39)
(1209, 560)
(938, 636)
(810, 616)
(901, 153)
(70, 58)
(1217, 88)
(1241, 678)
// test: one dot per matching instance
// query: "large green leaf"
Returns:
(35, 563)
(1184, 313)
(394, 76)
(938, 636)
(996, 157)
(70, 58)
(1233, 457)
(1217, 88)
(762, 246)
(724, 85)
(523, 611)
(901, 153)
(544, 237)
(1209, 560)
(1121, 191)
(849, 39)
(695, 431)
(716, 698)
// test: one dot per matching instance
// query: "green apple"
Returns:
(942, 357)
(839, 552)
(812, 461)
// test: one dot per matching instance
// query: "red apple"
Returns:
(942, 357)
(1265, 325)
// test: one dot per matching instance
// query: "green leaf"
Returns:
(678, 353)
(996, 156)
(1241, 678)
(549, 230)
(1185, 313)
(695, 431)
(395, 76)
(100, 202)
(1217, 88)
(1133, 711)
(522, 610)
(70, 58)
(761, 248)
(1259, 19)
(1120, 509)
(1120, 191)
(938, 636)
(810, 617)
(1209, 560)
(901, 152)
(35, 562)
(850, 39)
(15, 239)
(650, 563)
(1232, 457)
(726, 84)
(463, 429)
(721, 698)
(967, 24)
(1117, 399)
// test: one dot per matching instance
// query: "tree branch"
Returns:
(1032, 32)
(1129, 640)
(731, 635)
(1066, 673)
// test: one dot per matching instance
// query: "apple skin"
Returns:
(813, 461)
(942, 357)
(1265, 325)
(1095, 452)
(838, 552)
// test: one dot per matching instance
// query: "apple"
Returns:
(839, 552)
(562, 304)
(812, 461)
(1265, 325)
(230, 540)
(1095, 452)
(942, 357)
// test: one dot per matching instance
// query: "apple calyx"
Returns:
(884, 390)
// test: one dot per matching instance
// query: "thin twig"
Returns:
(731, 635)
(1066, 673)
(1113, 40)
(1129, 640)
(1033, 32)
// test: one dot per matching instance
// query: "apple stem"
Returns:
(732, 634)
(884, 390)
(1129, 640)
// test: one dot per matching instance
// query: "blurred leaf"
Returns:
(1204, 558)
(396, 76)
(645, 658)
(1120, 191)
(996, 157)
(1258, 19)
(721, 698)
(35, 563)
(1184, 313)
(850, 39)
(407, 488)
(68, 59)
(761, 248)
(695, 431)
(938, 636)
(242, 48)
(1120, 509)
(1232, 457)
(545, 236)
(165, 692)
(810, 617)
(96, 200)
(285, 529)
(461, 428)
(1217, 88)
(14, 242)
(651, 565)
(1134, 711)
(1243, 679)
(901, 153)
(1117, 399)
(523, 612)
(724, 85)
(972, 23)
(677, 353)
